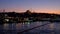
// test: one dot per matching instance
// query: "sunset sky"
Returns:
(39, 6)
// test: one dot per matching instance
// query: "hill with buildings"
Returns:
(13, 17)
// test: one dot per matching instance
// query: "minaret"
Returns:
(4, 10)
(0, 10)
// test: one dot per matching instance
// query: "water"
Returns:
(17, 28)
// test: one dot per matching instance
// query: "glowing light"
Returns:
(7, 20)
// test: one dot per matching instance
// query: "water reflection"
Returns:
(6, 26)
(51, 26)
(18, 27)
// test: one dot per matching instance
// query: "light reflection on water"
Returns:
(27, 25)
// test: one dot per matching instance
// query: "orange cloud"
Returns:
(48, 11)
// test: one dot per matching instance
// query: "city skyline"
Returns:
(39, 6)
